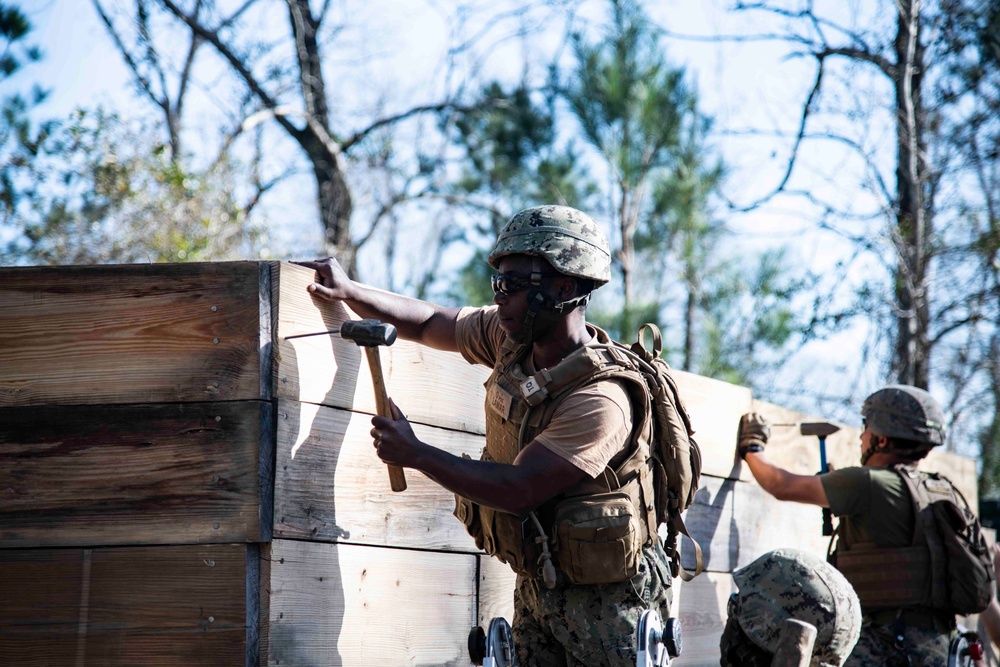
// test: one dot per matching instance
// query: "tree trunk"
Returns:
(332, 193)
(913, 222)
(627, 257)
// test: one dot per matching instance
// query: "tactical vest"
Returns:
(518, 408)
(900, 577)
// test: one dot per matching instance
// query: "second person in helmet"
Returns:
(558, 454)
(901, 425)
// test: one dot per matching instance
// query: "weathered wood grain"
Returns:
(124, 606)
(151, 333)
(330, 485)
(429, 386)
(496, 590)
(135, 474)
(349, 605)
(736, 521)
(715, 408)
(700, 605)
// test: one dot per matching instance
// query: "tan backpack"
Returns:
(676, 455)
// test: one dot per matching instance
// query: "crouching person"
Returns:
(789, 584)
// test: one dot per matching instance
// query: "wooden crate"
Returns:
(181, 484)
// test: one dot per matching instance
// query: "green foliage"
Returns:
(749, 318)
(18, 137)
(511, 161)
(508, 142)
(97, 190)
(473, 287)
(629, 101)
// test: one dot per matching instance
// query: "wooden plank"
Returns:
(715, 408)
(330, 485)
(135, 474)
(735, 522)
(149, 333)
(124, 606)
(349, 605)
(496, 591)
(430, 386)
(700, 605)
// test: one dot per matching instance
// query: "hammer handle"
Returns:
(397, 480)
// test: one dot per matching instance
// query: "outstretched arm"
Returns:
(785, 485)
(415, 320)
(754, 433)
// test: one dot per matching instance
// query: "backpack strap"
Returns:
(677, 525)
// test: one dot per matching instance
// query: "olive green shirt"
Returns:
(873, 505)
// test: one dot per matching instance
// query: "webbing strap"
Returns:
(699, 561)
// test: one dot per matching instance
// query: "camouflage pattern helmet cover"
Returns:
(788, 583)
(568, 239)
(903, 411)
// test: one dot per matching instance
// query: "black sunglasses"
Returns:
(512, 283)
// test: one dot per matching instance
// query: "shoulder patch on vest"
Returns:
(938, 486)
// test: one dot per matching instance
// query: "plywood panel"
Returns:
(701, 607)
(736, 521)
(496, 591)
(715, 408)
(135, 474)
(347, 605)
(124, 606)
(132, 333)
(430, 386)
(330, 485)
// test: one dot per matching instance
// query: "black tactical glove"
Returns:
(753, 434)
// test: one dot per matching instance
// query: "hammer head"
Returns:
(822, 429)
(368, 332)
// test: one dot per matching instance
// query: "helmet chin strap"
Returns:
(907, 454)
(542, 307)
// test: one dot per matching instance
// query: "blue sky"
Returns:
(80, 66)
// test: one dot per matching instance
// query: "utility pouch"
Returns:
(467, 512)
(598, 538)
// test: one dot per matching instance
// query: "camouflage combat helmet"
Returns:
(902, 411)
(787, 583)
(569, 239)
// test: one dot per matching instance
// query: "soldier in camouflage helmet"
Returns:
(790, 584)
(909, 419)
(569, 239)
(566, 613)
(554, 239)
(901, 424)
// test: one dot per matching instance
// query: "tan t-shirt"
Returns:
(589, 426)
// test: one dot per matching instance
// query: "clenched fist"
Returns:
(753, 434)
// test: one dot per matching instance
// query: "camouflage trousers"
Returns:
(879, 645)
(587, 626)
